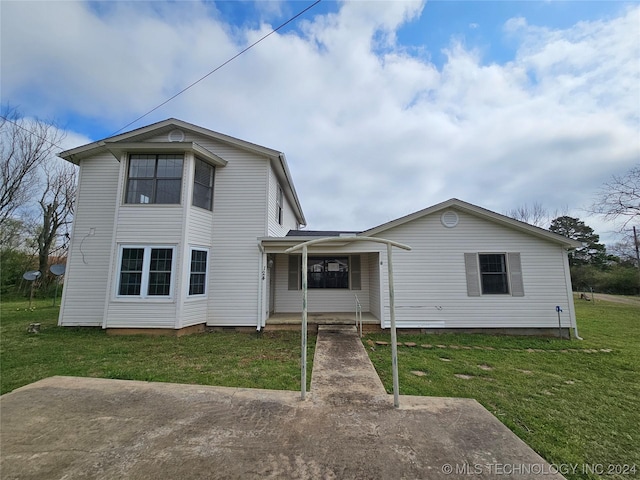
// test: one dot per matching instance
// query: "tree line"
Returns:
(594, 266)
(37, 199)
(38, 191)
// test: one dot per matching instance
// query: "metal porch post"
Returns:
(394, 338)
(303, 360)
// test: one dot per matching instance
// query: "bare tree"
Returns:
(620, 197)
(24, 146)
(57, 206)
(535, 214)
(624, 249)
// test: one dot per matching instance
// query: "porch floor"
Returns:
(324, 318)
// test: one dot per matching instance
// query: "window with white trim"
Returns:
(198, 272)
(494, 274)
(203, 185)
(154, 178)
(279, 204)
(145, 271)
(326, 272)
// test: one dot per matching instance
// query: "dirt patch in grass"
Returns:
(623, 299)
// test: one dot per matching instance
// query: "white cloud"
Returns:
(371, 132)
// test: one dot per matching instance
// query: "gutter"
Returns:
(285, 168)
(573, 322)
(261, 278)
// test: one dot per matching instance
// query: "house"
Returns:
(178, 227)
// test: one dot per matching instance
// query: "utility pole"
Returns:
(635, 242)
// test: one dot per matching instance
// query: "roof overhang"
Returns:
(280, 244)
(133, 138)
(494, 217)
(118, 149)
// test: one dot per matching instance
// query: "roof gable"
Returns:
(155, 129)
(469, 208)
(126, 141)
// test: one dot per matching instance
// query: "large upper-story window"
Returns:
(203, 185)
(154, 178)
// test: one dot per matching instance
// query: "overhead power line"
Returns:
(37, 135)
(302, 12)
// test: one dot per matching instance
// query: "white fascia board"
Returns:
(292, 189)
(480, 212)
(117, 149)
(76, 154)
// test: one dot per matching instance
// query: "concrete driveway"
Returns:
(67, 428)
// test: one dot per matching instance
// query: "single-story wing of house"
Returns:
(178, 228)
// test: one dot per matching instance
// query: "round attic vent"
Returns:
(449, 219)
(176, 136)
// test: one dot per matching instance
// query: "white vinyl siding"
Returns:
(86, 278)
(198, 227)
(151, 225)
(431, 280)
(149, 314)
(289, 221)
(244, 194)
(239, 213)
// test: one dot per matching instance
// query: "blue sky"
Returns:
(497, 103)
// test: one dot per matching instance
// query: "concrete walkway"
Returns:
(66, 427)
(342, 372)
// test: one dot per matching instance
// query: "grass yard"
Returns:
(269, 360)
(573, 402)
(576, 403)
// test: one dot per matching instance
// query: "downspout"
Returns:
(573, 323)
(261, 277)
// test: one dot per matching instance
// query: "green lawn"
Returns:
(269, 360)
(570, 401)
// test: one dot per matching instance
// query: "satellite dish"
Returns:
(31, 275)
(57, 269)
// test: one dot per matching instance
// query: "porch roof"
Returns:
(321, 233)
(280, 244)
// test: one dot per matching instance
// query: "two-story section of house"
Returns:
(178, 227)
(165, 228)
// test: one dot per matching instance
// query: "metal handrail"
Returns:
(358, 314)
